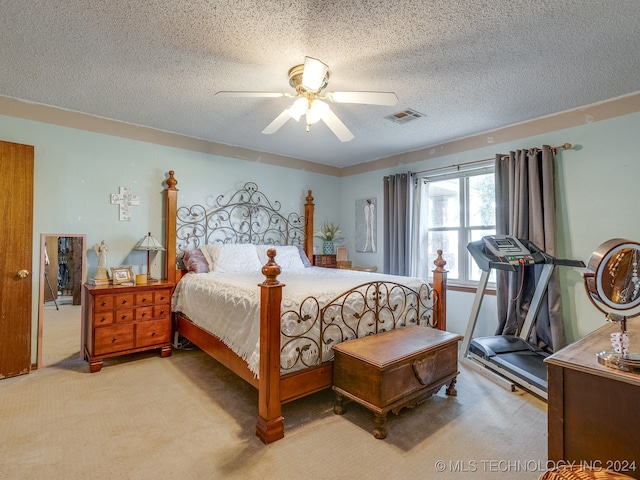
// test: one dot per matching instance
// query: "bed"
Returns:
(277, 321)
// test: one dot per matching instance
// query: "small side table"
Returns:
(118, 320)
(326, 261)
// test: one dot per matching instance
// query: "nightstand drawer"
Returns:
(143, 313)
(113, 339)
(125, 301)
(103, 318)
(124, 316)
(152, 333)
(145, 298)
(162, 296)
(104, 303)
(161, 311)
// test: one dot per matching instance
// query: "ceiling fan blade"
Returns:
(370, 98)
(337, 127)
(277, 122)
(253, 94)
(313, 73)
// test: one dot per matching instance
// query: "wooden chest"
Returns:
(118, 320)
(394, 369)
(326, 261)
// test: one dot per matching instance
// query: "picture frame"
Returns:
(342, 254)
(122, 275)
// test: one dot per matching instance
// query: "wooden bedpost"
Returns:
(270, 425)
(308, 230)
(171, 202)
(440, 286)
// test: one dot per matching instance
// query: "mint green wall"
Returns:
(597, 192)
(76, 172)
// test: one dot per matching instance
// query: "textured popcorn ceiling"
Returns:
(469, 65)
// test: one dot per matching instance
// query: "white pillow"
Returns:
(287, 256)
(232, 258)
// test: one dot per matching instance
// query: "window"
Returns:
(451, 211)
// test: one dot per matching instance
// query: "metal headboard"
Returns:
(245, 216)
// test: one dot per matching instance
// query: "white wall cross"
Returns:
(126, 201)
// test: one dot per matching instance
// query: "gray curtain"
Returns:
(397, 224)
(526, 209)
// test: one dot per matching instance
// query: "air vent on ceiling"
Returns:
(404, 116)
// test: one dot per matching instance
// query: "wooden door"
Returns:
(16, 207)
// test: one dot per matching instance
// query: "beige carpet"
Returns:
(187, 417)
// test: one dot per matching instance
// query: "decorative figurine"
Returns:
(102, 273)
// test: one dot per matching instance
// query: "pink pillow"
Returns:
(195, 262)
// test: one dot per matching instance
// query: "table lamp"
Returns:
(149, 244)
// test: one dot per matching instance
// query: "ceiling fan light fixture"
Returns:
(316, 112)
(298, 108)
(313, 76)
(308, 80)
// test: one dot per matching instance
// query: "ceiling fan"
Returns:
(309, 80)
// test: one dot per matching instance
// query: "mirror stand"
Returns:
(619, 357)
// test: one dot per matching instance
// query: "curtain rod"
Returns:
(564, 146)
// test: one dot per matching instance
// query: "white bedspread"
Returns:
(228, 304)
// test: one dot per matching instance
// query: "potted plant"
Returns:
(328, 232)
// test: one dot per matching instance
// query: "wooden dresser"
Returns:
(118, 320)
(394, 369)
(593, 409)
(327, 261)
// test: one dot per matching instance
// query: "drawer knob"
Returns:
(153, 334)
(103, 319)
(123, 317)
(104, 303)
(144, 314)
(162, 312)
(115, 339)
(124, 301)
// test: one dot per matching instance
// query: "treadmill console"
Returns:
(508, 249)
(505, 252)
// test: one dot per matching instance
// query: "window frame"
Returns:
(464, 229)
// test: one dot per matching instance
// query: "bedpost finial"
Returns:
(309, 198)
(440, 262)
(271, 270)
(171, 181)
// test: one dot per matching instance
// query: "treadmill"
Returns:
(510, 359)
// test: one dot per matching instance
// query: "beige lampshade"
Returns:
(149, 243)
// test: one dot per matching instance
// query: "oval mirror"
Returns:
(613, 286)
(611, 277)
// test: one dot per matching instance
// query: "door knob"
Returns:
(23, 273)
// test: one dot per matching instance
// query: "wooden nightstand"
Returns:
(327, 261)
(118, 320)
